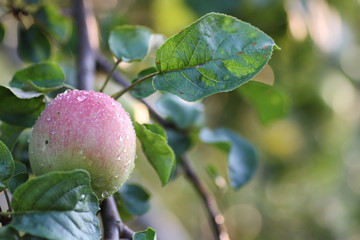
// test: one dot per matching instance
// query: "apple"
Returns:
(87, 130)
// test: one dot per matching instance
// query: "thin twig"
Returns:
(114, 228)
(110, 75)
(216, 218)
(85, 55)
(119, 94)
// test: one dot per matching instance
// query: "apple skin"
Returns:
(86, 130)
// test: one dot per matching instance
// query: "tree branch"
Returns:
(216, 218)
(85, 54)
(114, 228)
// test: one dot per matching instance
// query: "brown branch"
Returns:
(216, 218)
(85, 54)
(114, 228)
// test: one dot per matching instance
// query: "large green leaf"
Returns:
(42, 77)
(242, 155)
(53, 21)
(156, 149)
(20, 108)
(270, 103)
(148, 234)
(57, 205)
(2, 32)
(132, 200)
(217, 53)
(183, 114)
(129, 43)
(7, 165)
(33, 46)
(9, 134)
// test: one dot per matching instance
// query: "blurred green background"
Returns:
(308, 182)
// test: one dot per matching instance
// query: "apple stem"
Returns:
(140, 80)
(110, 75)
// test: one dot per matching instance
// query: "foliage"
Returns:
(217, 53)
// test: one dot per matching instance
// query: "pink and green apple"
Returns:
(87, 130)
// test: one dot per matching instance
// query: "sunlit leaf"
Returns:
(129, 43)
(7, 165)
(242, 155)
(148, 234)
(156, 149)
(33, 46)
(217, 53)
(132, 200)
(57, 205)
(20, 108)
(42, 77)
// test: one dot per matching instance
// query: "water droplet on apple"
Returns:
(81, 98)
(48, 118)
(52, 132)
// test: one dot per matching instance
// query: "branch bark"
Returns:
(114, 228)
(216, 218)
(85, 54)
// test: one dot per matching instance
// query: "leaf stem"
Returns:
(110, 75)
(119, 94)
(7, 200)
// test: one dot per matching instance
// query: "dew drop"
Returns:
(81, 98)
(67, 91)
(127, 136)
(48, 118)
(121, 139)
(82, 197)
(52, 132)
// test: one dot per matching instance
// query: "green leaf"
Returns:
(242, 156)
(9, 134)
(149, 234)
(2, 32)
(183, 114)
(20, 176)
(9, 233)
(129, 43)
(53, 21)
(132, 200)
(7, 165)
(57, 205)
(20, 108)
(217, 53)
(144, 89)
(269, 102)
(42, 77)
(33, 46)
(156, 149)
